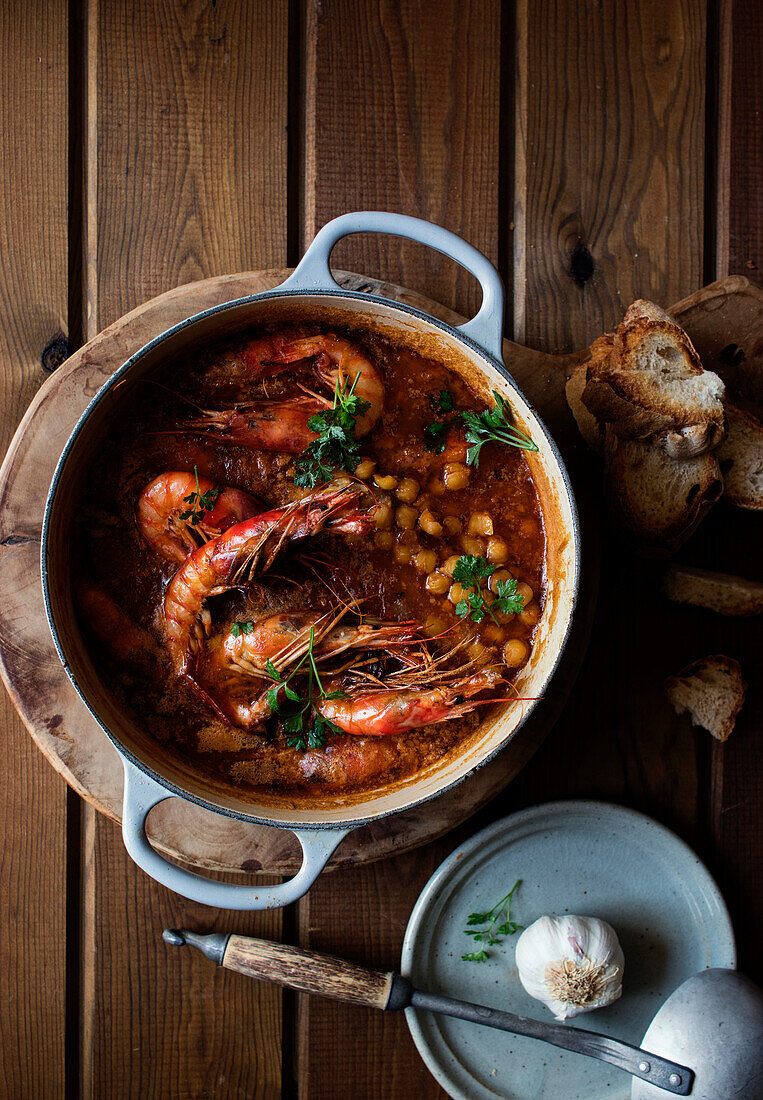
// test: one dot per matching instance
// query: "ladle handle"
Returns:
(330, 976)
(657, 1071)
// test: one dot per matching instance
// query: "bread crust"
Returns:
(658, 500)
(720, 592)
(741, 459)
(692, 678)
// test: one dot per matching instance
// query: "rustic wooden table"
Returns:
(596, 152)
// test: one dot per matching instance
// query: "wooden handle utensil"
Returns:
(329, 976)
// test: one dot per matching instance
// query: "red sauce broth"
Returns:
(143, 441)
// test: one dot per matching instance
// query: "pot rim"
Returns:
(172, 788)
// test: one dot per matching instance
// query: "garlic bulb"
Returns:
(572, 964)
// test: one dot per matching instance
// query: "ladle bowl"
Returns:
(712, 1023)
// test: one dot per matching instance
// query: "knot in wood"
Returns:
(55, 352)
(581, 264)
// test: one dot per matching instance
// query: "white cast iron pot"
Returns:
(472, 350)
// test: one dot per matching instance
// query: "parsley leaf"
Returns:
(336, 446)
(469, 569)
(475, 957)
(445, 401)
(199, 503)
(493, 424)
(491, 934)
(434, 438)
(507, 601)
(237, 629)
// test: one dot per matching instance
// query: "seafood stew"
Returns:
(294, 571)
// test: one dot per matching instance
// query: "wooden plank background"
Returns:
(596, 152)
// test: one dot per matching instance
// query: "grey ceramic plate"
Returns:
(589, 858)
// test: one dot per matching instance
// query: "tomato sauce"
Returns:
(429, 509)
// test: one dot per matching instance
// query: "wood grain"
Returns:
(308, 971)
(187, 155)
(346, 1051)
(402, 113)
(745, 148)
(737, 773)
(611, 107)
(609, 163)
(33, 308)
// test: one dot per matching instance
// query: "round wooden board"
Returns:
(52, 711)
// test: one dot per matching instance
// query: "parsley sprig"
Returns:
(470, 571)
(336, 446)
(199, 503)
(493, 425)
(490, 935)
(308, 728)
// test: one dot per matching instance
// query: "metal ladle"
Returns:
(713, 1023)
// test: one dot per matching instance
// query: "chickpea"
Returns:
(530, 614)
(515, 652)
(383, 516)
(428, 523)
(476, 650)
(455, 476)
(458, 592)
(472, 546)
(452, 525)
(525, 592)
(493, 633)
(499, 575)
(480, 523)
(434, 626)
(436, 487)
(406, 516)
(438, 583)
(402, 554)
(365, 468)
(450, 564)
(385, 482)
(385, 540)
(407, 490)
(426, 560)
(497, 551)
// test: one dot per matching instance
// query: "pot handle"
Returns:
(313, 271)
(141, 794)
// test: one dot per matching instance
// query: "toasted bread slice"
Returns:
(590, 428)
(741, 459)
(658, 499)
(721, 592)
(712, 690)
(678, 443)
(652, 381)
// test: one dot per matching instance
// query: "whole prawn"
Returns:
(180, 511)
(284, 638)
(390, 710)
(125, 641)
(245, 551)
(284, 425)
